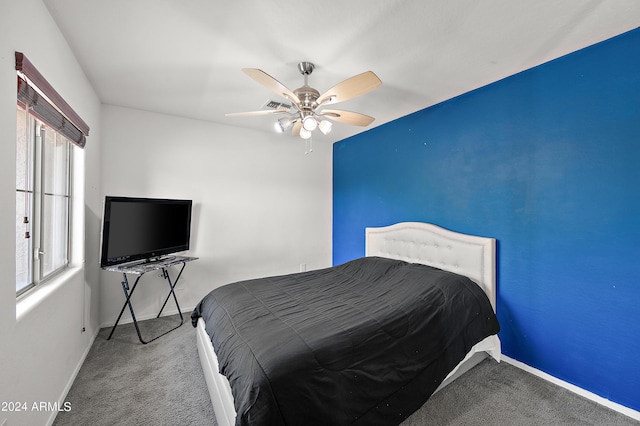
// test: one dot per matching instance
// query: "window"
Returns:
(47, 131)
(42, 201)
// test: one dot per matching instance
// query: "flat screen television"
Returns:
(143, 229)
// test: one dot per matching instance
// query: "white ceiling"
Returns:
(183, 57)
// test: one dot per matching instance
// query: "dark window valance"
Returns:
(53, 109)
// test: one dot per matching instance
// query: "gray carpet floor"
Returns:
(123, 382)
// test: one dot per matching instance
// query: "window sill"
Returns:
(29, 301)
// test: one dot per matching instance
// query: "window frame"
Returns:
(40, 101)
(39, 227)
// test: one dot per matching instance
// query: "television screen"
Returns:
(143, 229)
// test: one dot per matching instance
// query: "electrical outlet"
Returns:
(303, 267)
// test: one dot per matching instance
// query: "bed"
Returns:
(366, 342)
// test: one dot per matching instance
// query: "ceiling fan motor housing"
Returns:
(307, 96)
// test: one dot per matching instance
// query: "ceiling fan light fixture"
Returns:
(283, 124)
(305, 134)
(309, 123)
(325, 126)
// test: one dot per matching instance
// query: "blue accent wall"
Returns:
(547, 162)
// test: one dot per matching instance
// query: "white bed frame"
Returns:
(413, 242)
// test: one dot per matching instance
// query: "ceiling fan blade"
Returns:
(260, 112)
(271, 83)
(296, 128)
(347, 117)
(350, 88)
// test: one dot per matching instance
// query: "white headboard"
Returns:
(416, 242)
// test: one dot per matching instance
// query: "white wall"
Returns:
(42, 345)
(261, 206)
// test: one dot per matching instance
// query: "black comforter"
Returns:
(366, 342)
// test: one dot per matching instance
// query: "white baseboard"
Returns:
(575, 389)
(72, 379)
(186, 313)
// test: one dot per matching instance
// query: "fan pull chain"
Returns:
(308, 145)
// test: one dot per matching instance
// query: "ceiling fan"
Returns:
(304, 110)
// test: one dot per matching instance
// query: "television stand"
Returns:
(155, 260)
(140, 269)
